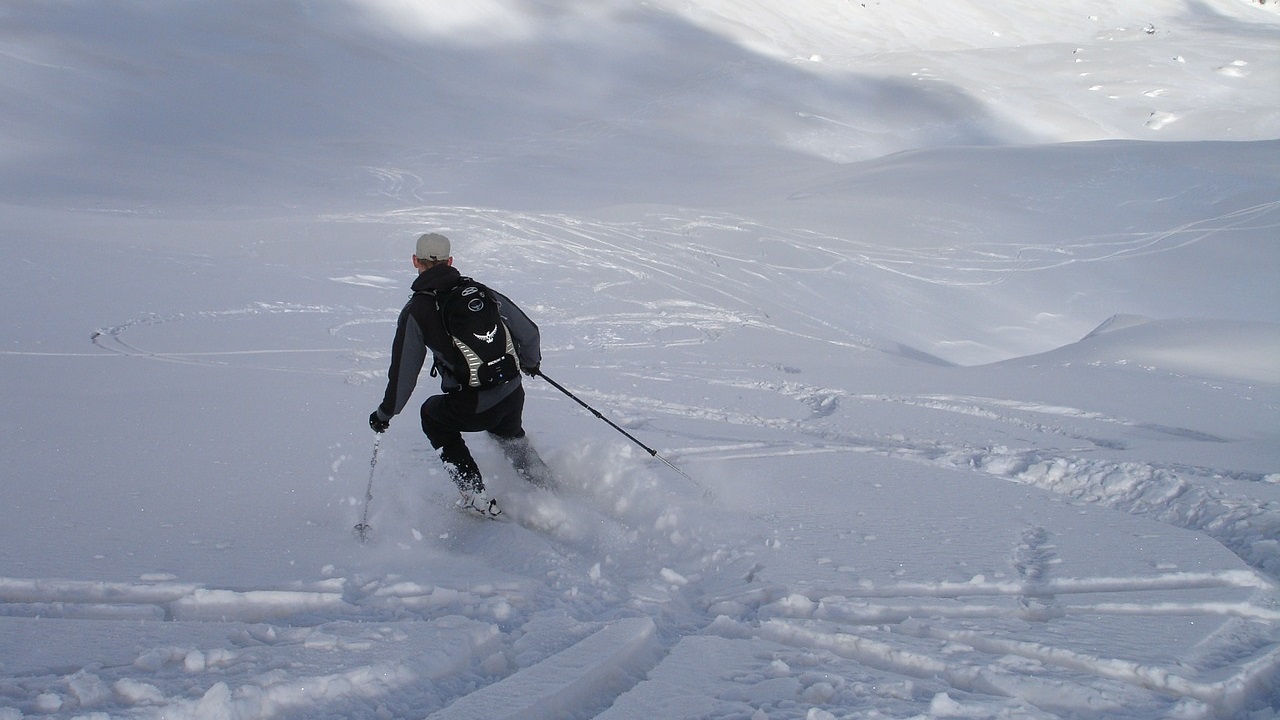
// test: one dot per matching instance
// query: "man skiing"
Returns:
(489, 401)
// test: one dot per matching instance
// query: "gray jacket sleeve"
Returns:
(408, 354)
(524, 332)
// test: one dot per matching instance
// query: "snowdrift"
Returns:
(1243, 352)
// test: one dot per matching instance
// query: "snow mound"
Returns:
(1118, 322)
(1228, 350)
(834, 28)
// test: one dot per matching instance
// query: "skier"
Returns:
(465, 405)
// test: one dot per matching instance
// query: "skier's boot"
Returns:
(465, 473)
(479, 502)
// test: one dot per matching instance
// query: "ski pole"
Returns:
(362, 527)
(707, 494)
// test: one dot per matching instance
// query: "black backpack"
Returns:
(485, 355)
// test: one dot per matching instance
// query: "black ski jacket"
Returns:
(420, 329)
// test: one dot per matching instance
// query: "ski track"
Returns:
(563, 239)
(667, 582)
(386, 648)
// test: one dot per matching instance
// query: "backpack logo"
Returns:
(487, 337)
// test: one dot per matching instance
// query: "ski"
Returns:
(477, 514)
(490, 511)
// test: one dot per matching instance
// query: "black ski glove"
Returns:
(531, 371)
(378, 424)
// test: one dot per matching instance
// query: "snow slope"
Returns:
(966, 314)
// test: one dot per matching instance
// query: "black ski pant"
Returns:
(446, 417)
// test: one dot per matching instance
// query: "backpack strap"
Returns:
(435, 299)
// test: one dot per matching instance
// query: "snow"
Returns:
(962, 320)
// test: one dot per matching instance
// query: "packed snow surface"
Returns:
(958, 322)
